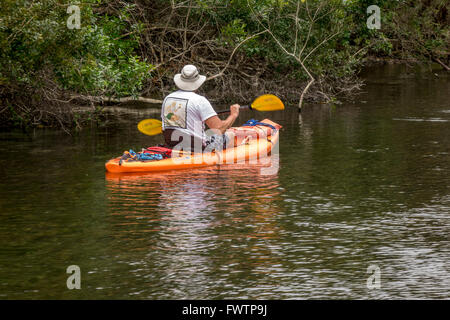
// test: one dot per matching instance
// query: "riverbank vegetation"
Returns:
(298, 49)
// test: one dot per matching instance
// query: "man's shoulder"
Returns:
(194, 98)
(176, 94)
(186, 94)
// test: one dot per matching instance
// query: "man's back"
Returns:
(186, 112)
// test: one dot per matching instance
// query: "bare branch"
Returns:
(116, 100)
(320, 44)
(232, 54)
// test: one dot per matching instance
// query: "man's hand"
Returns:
(234, 110)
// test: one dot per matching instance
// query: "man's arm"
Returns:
(222, 125)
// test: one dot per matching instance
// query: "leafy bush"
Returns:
(113, 52)
(98, 59)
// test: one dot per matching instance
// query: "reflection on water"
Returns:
(198, 224)
(365, 183)
(430, 120)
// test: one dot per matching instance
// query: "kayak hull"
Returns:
(251, 144)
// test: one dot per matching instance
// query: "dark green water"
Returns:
(360, 184)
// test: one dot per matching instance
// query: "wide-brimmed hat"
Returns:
(189, 79)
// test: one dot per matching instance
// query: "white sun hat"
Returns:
(189, 79)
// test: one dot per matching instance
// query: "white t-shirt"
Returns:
(187, 112)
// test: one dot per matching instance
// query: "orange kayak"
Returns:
(251, 143)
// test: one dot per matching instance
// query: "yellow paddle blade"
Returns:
(267, 102)
(150, 127)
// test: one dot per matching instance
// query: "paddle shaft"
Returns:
(241, 108)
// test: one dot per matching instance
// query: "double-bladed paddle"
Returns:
(266, 102)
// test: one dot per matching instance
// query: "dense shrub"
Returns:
(96, 59)
(130, 48)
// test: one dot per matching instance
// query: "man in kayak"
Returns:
(184, 114)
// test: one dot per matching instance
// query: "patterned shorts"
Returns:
(216, 142)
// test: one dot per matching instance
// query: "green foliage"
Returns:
(98, 59)
(107, 56)
(336, 21)
(101, 58)
(234, 32)
(340, 30)
(421, 29)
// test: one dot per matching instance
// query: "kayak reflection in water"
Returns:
(184, 114)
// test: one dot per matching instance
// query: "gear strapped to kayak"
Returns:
(149, 154)
(253, 122)
(252, 141)
(165, 152)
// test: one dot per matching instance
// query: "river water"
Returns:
(361, 186)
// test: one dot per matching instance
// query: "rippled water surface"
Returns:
(359, 184)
